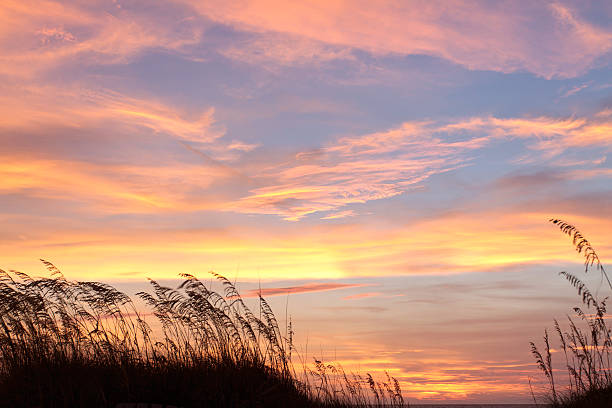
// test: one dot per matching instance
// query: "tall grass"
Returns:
(586, 343)
(68, 344)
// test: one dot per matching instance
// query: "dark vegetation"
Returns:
(84, 344)
(585, 344)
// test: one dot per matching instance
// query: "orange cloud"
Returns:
(550, 40)
(105, 188)
(50, 134)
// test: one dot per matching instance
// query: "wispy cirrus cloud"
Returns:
(358, 169)
(339, 214)
(306, 288)
(141, 154)
(37, 107)
(351, 170)
(51, 33)
(271, 50)
(574, 90)
(549, 39)
(362, 295)
(112, 188)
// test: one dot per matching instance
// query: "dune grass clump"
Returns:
(586, 344)
(85, 344)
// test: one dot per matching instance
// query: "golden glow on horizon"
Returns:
(447, 245)
(437, 384)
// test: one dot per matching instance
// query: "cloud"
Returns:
(546, 179)
(115, 236)
(358, 169)
(530, 181)
(353, 309)
(306, 288)
(574, 90)
(141, 154)
(52, 34)
(548, 39)
(107, 188)
(351, 170)
(273, 50)
(38, 107)
(340, 214)
(362, 295)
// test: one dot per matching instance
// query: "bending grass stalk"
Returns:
(586, 344)
(67, 343)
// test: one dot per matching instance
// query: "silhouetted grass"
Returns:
(84, 344)
(586, 343)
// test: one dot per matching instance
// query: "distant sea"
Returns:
(475, 405)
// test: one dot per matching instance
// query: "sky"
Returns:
(384, 171)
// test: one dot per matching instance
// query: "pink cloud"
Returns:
(34, 39)
(550, 40)
(309, 287)
(362, 295)
(574, 90)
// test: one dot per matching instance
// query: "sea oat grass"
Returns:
(85, 344)
(586, 343)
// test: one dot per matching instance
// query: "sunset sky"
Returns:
(384, 170)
